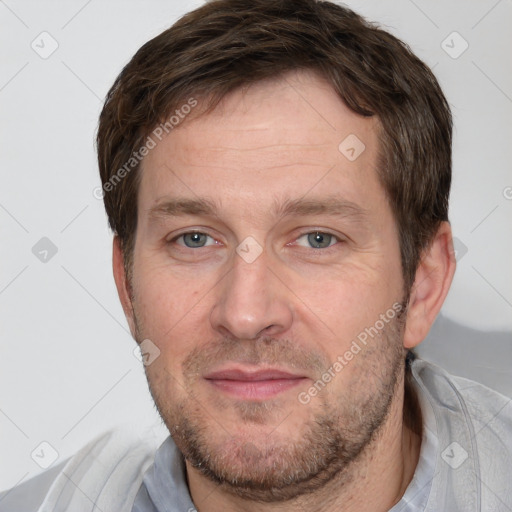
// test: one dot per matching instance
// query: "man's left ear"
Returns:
(433, 279)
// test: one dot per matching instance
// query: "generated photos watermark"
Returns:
(369, 333)
(151, 142)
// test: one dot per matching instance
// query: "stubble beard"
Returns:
(278, 468)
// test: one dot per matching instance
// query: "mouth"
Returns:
(253, 384)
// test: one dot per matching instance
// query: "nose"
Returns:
(251, 302)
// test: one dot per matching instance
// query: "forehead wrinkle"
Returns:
(268, 147)
(227, 155)
(259, 166)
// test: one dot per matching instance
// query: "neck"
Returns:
(372, 483)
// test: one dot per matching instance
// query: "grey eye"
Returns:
(195, 239)
(319, 240)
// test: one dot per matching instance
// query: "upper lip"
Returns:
(251, 374)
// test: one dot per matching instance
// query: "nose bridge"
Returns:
(250, 284)
(250, 301)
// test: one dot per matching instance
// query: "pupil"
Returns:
(194, 239)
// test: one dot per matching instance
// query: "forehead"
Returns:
(288, 134)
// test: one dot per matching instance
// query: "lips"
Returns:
(253, 384)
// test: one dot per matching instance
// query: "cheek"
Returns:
(349, 297)
(162, 297)
(172, 314)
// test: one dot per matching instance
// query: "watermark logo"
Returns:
(460, 249)
(454, 45)
(356, 346)
(44, 455)
(351, 147)
(454, 455)
(146, 352)
(44, 45)
(151, 142)
(44, 250)
(249, 249)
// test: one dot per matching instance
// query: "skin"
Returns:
(294, 307)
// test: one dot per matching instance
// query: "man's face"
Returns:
(243, 335)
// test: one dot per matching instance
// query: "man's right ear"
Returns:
(122, 284)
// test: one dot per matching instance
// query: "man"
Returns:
(277, 178)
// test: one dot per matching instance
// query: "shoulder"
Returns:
(107, 472)
(482, 406)
(474, 424)
(29, 495)
(491, 417)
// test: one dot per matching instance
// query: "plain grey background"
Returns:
(67, 367)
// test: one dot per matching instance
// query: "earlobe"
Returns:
(122, 284)
(433, 279)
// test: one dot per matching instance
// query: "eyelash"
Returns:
(316, 249)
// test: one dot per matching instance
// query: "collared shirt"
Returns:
(465, 461)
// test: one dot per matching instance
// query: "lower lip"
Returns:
(255, 389)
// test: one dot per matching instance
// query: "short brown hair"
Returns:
(227, 44)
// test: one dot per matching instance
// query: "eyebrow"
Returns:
(182, 206)
(331, 205)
